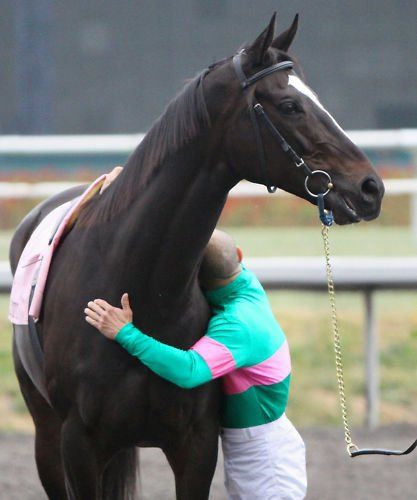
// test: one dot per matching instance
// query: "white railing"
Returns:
(29, 146)
(37, 190)
(11, 146)
(126, 143)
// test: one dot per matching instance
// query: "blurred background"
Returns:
(81, 81)
(110, 67)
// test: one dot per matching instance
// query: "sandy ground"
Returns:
(332, 474)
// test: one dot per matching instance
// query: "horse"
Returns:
(146, 235)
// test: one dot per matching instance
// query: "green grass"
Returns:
(13, 413)
(305, 318)
(5, 237)
(7, 378)
(274, 241)
(307, 241)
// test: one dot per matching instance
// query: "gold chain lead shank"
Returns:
(337, 343)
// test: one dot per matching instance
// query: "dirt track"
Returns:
(332, 475)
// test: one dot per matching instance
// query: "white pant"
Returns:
(266, 462)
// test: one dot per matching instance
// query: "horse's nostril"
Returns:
(370, 187)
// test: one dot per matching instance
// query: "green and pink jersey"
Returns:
(244, 345)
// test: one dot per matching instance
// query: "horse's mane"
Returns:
(183, 119)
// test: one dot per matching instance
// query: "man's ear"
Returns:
(284, 40)
(239, 254)
(257, 51)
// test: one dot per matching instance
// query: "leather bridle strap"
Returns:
(379, 451)
(256, 110)
(246, 82)
(288, 150)
(261, 150)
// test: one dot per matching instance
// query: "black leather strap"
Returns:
(36, 341)
(239, 71)
(288, 150)
(246, 82)
(266, 72)
(381, 451)
(261, 151)
(30, 351)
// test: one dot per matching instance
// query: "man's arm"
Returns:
(187, 369)
(214, 355)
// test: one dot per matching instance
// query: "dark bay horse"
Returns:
(146, 235)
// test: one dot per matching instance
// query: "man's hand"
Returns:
(108, 319)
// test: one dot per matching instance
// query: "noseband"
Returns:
(257, 111)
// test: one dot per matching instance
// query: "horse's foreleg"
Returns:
(83, 462)
(47, 437)
(48, 457)
(194, 463)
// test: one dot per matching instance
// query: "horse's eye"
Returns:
(289, 107)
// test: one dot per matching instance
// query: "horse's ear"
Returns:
(260, 46)
(284, 40)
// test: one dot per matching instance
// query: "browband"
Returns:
(246, 82)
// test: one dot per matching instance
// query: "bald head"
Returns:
(221, 261)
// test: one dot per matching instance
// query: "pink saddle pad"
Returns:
(36, 258)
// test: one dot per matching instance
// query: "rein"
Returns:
(257, 112)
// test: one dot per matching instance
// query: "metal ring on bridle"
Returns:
(329, 185)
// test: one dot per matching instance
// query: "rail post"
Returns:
(371, 361)
(413, 201)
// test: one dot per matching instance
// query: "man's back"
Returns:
(245, 344)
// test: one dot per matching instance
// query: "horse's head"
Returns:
(296, 113)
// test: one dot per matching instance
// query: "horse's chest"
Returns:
(174, 412)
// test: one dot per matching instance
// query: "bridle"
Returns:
(257, 111)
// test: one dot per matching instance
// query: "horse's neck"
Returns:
(173, 221)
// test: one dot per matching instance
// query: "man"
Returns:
(264, 455)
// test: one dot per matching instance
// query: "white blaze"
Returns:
(297, 83)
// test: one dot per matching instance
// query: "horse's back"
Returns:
(32, 220)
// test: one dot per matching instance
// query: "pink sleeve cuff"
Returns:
(217, 356)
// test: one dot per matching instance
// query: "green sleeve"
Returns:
(187, 369)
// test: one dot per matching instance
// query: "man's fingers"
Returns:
(91, 321)
(94, 306)
(102, 303)
(91, 314)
